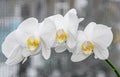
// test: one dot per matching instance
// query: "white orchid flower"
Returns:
(94, 39)
(16, 46)
(66, 27)
(46, 33)
(23, 42)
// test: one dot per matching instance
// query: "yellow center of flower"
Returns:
(87, 47)
(61, 36)
(32, 43)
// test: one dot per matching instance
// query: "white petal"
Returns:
(46, 51)
(48, 32)
(82, 37)
(103, 35)
(89, 29)
(13, 61)
(72, 21)
(71, 11)
(60, 48)
(100, 34)
(21, 38)
(71, 40)
(15, 57)
(26, 52)
(37, 51)
(78, 55)
(29, 25)
(100, 52)
(58, 20)
(15, 51)
(9, 44)
(72, 50)
(26, 29)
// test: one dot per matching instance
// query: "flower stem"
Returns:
(113, 67)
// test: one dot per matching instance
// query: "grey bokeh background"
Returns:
(13, 12)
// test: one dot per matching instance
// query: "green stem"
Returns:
(113, 67)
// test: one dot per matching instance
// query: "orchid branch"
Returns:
(113, 67)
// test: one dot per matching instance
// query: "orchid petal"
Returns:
(26, 52)
(103, 35)
(47, 32)
(37, 51)
(78, 55)
(58, 20)
(29, 25)
(71, 40)
(99, 33)
(90, 29)
(21, 38)
(46, 51)
(81, 37)
(72, 21)
(101, 52)
(15, 57)
(13, 61)
(9, 44)
(60, 48)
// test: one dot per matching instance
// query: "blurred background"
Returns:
(107, 12)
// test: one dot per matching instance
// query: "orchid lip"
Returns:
(61, 36)
(87, 47)
(33, 43)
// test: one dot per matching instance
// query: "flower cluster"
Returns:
(60, 32)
